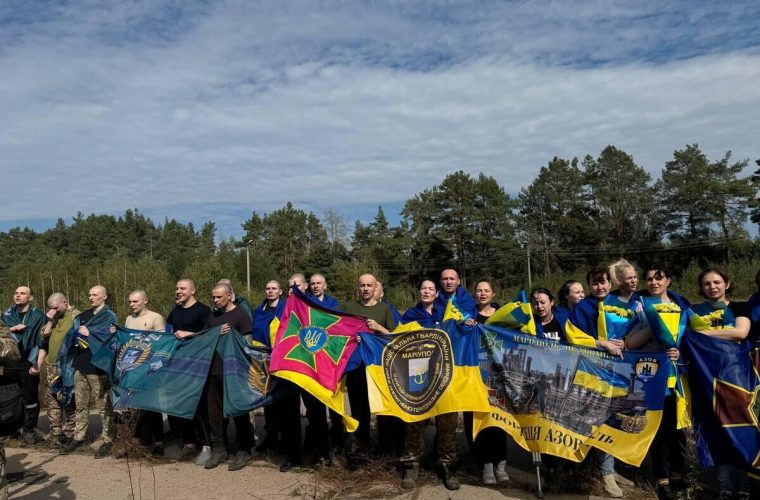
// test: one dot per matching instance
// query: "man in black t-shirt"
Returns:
(188, 317)
(228, 317)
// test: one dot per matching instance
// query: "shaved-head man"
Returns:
(298, 280)
(143, 318)
(236, 299)
(60, 411)
(379, 319)
(317, 292)
(228, 317)
(187, 317)
(26, 323)
(283, 417)
(91, 383)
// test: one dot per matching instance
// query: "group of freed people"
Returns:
(564, 318)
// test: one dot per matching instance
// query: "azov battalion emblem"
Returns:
(418, 367)
(646, 368)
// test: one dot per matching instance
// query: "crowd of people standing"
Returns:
(569, 316)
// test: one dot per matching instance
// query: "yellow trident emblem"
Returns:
(313, 338)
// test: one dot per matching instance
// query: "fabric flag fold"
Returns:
(561, 400)
(247, 382)
(312, 348)
(599, 379)
(425, 372)
(725, 393)
(103, 320)
(30, 337)
(517, 315)
(155, 371)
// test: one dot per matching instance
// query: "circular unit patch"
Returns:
(418, 367)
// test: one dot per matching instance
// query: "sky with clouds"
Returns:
(208, 110)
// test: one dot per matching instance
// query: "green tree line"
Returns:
(574, 214)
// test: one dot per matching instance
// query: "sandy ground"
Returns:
(37, 473)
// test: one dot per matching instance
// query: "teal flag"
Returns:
(100, 322)
(30, 337)
(158, 372)
(247, 382)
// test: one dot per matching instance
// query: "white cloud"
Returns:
(157, 107)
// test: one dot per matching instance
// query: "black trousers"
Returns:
(669, 444)
(214, 394)
(316, 414)
(150, 426)
(284, 419)
(356, 384)
(490, 447)
(29, 385)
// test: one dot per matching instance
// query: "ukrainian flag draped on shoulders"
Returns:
(414, 318)
(592, 320)
(266, 323)
(421, 373)
(668, 321)
(460, 306)
(312, 349)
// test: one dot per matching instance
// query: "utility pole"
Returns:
(530, 278)
(248, 266)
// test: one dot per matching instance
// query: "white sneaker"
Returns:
(203, 456)
(488, 477)
(501, 472)
(611, 487)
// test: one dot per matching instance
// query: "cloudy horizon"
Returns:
(211, 110)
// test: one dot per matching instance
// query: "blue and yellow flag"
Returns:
(593, 320)
(711, 316)
(599, 379)
(266, 323)
(561, 400)
(725, 386)
(516, 315)
(414, 318)
(426, 372)
(460, 306)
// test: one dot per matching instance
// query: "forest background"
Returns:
(573, 215)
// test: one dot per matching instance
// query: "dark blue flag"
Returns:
(724, 377)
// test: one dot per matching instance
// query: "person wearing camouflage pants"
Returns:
(446, 444)
(60, 412)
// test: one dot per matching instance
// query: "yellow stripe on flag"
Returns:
(596, 384)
